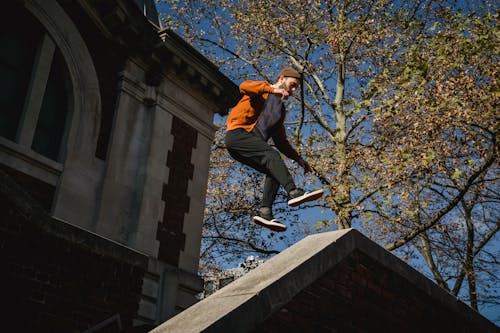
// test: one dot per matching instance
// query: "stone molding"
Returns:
(121, 22)
(193, 66)
(29, 162)
(140, 91)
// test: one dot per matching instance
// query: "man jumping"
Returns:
(257, 117)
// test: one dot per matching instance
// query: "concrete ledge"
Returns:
(21, 201)
(246, 303)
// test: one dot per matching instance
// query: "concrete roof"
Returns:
(330, 282)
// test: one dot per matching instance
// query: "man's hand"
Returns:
(284, 94)
(303, 163)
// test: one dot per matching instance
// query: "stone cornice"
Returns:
(122, 22)
(193, 66)
(179, 110)
(177, 107)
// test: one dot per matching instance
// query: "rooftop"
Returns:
(338, 281)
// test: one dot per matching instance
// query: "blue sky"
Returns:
(313, 214)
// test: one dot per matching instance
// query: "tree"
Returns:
(386, 120)
(440, 103)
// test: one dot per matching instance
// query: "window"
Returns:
(34, 85)
(16, 61)
(49, 131)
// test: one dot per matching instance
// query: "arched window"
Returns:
(16, 62)
(34, 85)
(49, 132)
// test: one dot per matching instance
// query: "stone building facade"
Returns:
(106, 123)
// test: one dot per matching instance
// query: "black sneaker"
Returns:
(298, 196)
(265, 218)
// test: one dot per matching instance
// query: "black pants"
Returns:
(250, 149)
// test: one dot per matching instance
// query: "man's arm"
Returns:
(286, 148)
(253, 88)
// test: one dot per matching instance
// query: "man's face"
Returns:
(290, 84)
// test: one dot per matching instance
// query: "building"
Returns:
(106, 123)
(216, 280)
(337, 281)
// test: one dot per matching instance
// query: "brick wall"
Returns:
(170, 229)
(58, 278)
(360, 295)
(42, 192)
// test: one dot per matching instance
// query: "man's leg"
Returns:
(251, 150)
(271, 187)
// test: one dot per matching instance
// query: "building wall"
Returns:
(60, 278)
(131, 166)
(361, 295)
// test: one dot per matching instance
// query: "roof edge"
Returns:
(247, 301)
(226, 91)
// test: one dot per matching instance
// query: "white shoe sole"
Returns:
(273, 224)
(308, 196)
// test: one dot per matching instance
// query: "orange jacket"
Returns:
(246, 112)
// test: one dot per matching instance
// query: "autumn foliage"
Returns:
(400, 116)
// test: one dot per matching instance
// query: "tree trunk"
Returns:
(469, 260)
(342, 192)
(426, 252)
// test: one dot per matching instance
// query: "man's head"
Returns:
(289, 79)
